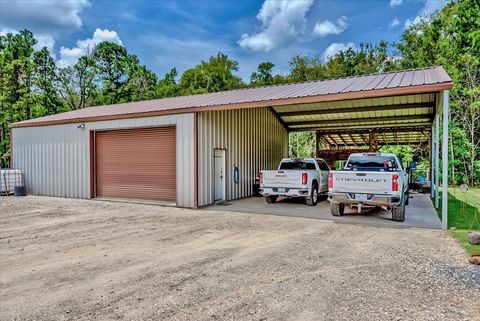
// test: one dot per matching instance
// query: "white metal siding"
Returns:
(55, 159)
(253, 139)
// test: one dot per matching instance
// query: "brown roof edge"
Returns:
(397, 91)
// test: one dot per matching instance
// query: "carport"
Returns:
(368, 112)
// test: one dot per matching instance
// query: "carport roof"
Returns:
(301, 98)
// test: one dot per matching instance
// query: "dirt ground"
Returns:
(65, 259)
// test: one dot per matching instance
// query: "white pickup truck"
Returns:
(368, 180)
(307, 178)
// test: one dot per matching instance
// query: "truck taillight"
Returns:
(330, 180)
(260, 178)
(304, 178)
(395, 182)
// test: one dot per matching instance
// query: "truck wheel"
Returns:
(398, 213)
(313, 199)
(271, 199)
(337, 209)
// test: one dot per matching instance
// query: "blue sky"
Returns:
(166, 34)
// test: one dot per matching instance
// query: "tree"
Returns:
(369, 59)
(216, 74)
(303, 68)
(113, 66)
(16, 98)
(452, 38)
(141, 83)
(263, 75)
(46, 98)
(302, 144)
(77, 84)
(167, 86)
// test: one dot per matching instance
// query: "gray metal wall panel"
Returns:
(55, 159)
(253, 139)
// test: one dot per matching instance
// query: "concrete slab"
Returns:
(419, 213)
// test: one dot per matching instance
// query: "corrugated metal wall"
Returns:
(253, 139)
(55, 159)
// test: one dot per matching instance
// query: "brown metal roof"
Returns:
(406, 82)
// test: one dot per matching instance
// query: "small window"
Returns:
(297, 165)
(322, 165)
(372, 161)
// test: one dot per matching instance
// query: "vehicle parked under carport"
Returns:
(369, 180)
(295, 177)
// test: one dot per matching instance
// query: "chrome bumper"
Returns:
(288, 192)
(372, 199)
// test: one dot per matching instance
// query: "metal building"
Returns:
(194, 150)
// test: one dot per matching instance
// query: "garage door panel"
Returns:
(136, 163)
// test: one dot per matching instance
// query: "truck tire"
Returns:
(398, 213)
(337, 209)
(313, 199)
(271, 199)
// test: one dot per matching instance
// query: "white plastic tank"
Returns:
(9, 178)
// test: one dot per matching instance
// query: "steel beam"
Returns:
(377, 129)
(432, 163)
(365, 141)
(327, 111)
(343, 140)
(360, 120)
(437, 158)
(445, 162)
(353, 139)
(354, 129)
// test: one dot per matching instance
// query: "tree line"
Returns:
(32, 85)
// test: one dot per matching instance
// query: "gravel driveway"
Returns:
(66, 259)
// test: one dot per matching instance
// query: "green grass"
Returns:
(461, 237)
(461, 212)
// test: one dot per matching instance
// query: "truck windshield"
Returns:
(372, 161)
(297, 165)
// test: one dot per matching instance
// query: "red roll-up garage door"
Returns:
(136, 163)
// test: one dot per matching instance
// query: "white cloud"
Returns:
(45, 41)
(394, 3)
(336, 47)
(395, 22)
(429, 7)
(327, 27)
(69, 56)
(282, 22)
(43, 17)
(46, 19)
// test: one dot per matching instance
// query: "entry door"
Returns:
(219, 163)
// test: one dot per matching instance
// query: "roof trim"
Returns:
(397, 91)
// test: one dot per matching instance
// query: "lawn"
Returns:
(461, 213)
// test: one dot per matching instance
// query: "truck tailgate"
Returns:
(279, 178)
(362, 182)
